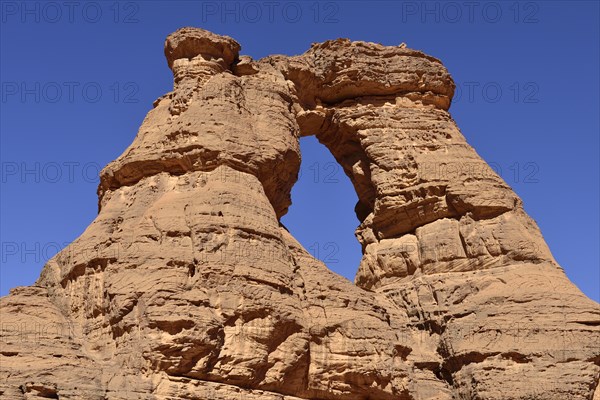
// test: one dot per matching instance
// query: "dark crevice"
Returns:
(588, 323)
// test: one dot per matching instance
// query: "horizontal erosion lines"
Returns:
(410, 98)
(131, 173)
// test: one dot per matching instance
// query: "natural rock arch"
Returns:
(190, 288)
(385, 120)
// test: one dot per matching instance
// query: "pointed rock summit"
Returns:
(187, 286)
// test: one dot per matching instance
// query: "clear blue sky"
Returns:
(78, 80)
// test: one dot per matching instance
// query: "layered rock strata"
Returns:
(187, 286)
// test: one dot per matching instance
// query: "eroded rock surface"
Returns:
(187, 286)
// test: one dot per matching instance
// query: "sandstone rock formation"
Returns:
(187, 286)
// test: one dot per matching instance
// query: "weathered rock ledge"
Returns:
(187, 286)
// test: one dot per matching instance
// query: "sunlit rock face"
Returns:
(187, 286)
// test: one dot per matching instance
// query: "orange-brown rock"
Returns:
(187, 286)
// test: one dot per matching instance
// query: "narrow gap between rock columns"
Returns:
(322, 216)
